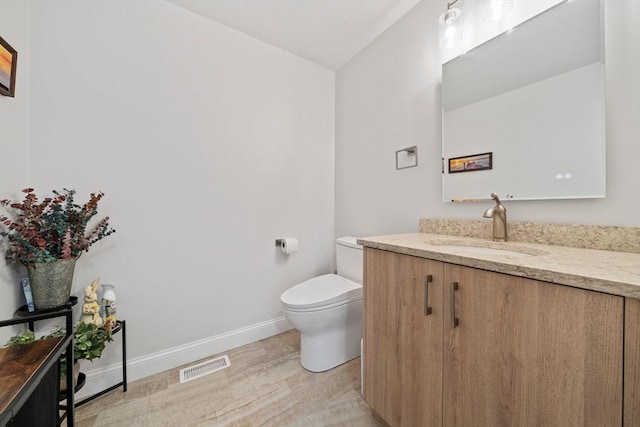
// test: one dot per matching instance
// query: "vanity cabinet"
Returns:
(495, 350)
(530, 353)
(403, 341)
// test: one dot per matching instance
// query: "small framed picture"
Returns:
(474, 162)
(8, 63)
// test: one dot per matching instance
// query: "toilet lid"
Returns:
(321, 291)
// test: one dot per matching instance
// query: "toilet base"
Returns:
(322, 349)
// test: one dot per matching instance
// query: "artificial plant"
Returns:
(52, 229)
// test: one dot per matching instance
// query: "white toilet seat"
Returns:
(320, 293)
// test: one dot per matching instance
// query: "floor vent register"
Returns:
(204, 368)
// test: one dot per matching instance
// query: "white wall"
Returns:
(14, 142)
(208, 144)
(388, 98)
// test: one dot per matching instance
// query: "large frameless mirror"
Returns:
(524, 113)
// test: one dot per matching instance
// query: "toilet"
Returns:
(327, 310)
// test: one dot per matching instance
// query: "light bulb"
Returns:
(496, 10)
(449, 28)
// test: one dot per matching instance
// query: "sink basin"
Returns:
(480, 248)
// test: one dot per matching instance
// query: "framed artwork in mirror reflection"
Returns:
(470, 163)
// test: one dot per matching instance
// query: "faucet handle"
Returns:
(499, 206)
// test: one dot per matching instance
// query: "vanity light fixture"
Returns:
(449, 21)
(496, 10)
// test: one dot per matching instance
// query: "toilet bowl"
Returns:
(327, 310)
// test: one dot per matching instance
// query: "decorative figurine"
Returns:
(109, 305)
(91, 308)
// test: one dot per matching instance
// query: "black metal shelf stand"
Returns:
(121, 325)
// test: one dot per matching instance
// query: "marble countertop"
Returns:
(616, 273)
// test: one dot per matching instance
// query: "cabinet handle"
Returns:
(427, 279)
(452, 300)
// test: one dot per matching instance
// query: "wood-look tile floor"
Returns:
(264, 386)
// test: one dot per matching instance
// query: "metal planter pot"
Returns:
(51, 282)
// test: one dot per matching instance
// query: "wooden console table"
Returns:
(23, 368)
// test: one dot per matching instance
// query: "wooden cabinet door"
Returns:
(529, 353)
(403, 346)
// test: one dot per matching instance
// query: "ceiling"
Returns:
(327, 32)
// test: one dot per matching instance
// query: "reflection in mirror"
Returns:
(533, 99)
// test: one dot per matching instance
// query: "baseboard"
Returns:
(140, 367)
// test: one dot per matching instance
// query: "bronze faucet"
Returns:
(499, 215)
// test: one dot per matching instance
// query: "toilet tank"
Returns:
(349, 258)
